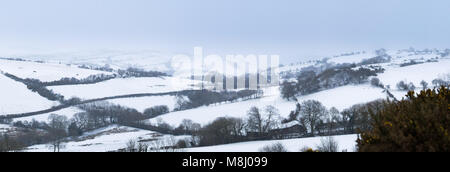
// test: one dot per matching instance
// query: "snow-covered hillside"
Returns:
(45, 72)
(340, 98)
(16, 98)
(415, 73)
(111, 138)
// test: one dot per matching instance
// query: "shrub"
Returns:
(156, 111)
(277, 147)
(376, 82)
(418, 124)
(328, 144)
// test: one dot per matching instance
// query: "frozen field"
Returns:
(123, 86)
(16, 98)
(107, 139)
(45, 71)
(345, 142)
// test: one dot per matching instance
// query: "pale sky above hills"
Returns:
(293, 29)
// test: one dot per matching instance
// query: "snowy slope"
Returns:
(341, 98)
(123, 86)
(345, 142)
(45, 71)
(16, 98)
(67, 112)
(415, 73)
(111, 138)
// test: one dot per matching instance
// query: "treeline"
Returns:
(309, 81)
(37, 87)
(135, 72)
(196, 99)
(309, 119)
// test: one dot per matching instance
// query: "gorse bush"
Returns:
(419, 123)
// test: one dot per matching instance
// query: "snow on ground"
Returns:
(123, 86)
(415, 73)
(67, 112)
(44, 71)
(345, 142)
(346, 96)
(142, 103)
(16, 98)
(341, 98)
(357, 58)
(107, 139)
(207, 114)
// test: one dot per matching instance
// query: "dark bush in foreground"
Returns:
(418, 124)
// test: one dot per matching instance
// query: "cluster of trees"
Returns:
(135, 72)
(419, 123)
(54, 132)
(206, 97)
(441, 82)
(101, 114)
(156, 111)
(309, 81)
(410, 63)
(96, 115)
(376, 82)
(311, 117)
(403, 86)
(105, 68)
(445, 53)
(92, 79)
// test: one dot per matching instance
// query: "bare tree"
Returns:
(263, 122)
(424, 85)
(328, 144)
(311, 113)
(333, 120)
(255, 120)
(277, 147)
(57, 131)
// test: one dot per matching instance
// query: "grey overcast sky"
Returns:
(291, 28)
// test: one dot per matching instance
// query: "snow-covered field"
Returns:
(45, 71)
(67, 112)
(345, 143)
(415, 73)
(341, 98)
(123, 86)
(107, 139)
(142, 103)
(16, 98)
